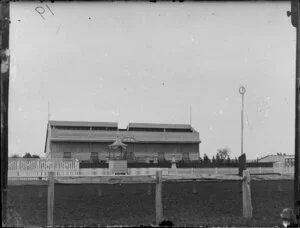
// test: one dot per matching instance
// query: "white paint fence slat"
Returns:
(39, 168)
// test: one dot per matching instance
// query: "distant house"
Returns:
(287, 160)
(89, 141)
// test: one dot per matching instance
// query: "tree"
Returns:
(213, 160)
(218, 159)
(200, 160)
(27, 155)
(235, 160)
(35, 156)
(228, 161)
(222, 154)
(206, 159)
(15, 156)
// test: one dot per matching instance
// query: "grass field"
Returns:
(216, 203)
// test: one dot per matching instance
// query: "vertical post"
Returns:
(242, 125)
(242, 91)
(190, 115)
(48, 111)
(158, 197)
(4, 93)
(50, 204)
(297, 120)
(242, 164)
(295, 19)
(247, 203)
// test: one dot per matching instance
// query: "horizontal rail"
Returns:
(105, 180)
(272, 177)
(141, 179)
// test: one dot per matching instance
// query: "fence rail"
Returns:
(156, 179)
(38, 169)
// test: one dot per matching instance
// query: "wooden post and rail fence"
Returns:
(158, 180)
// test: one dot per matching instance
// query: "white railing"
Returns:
(179, 171)
(281, 167)
(26, 168)
(39, 168)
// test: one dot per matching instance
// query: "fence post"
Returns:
(50, 203)
(158, 197)
(242, 164)
(247, 203)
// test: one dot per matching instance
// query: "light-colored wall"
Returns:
(149, 151)
(275, 158)
(167, 148)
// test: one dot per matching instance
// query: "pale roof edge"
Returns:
(159, 125)
(83, 124)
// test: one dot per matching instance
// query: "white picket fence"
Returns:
(284, 168)
(183, 172)
(27, 168)
(32, 168)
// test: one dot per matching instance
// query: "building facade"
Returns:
(89, 141)
(286, 160)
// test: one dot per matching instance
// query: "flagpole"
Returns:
(190, 115)
(48, 111)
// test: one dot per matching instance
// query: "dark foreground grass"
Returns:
(214, 204)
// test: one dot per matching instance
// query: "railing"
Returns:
(181, 172)
(20, 168)
(39, 168)
(284, 167)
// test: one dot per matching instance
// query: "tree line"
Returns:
(222, 157)
(27, 155)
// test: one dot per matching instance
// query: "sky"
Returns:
(153, 63)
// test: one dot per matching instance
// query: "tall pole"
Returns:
(242, 91)
(4, 87)
(295, 19)
(242, 126)
(48, 111)
(190, 115)
(297, 118)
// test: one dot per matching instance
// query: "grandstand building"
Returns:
(152, 143)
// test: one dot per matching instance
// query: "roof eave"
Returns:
(112, 140)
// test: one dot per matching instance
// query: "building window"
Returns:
(67, 155)
(94, 157)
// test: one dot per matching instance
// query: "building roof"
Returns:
(110, 136)
(82, 124)
(98, 135)
(274, 158)
(159, 125)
